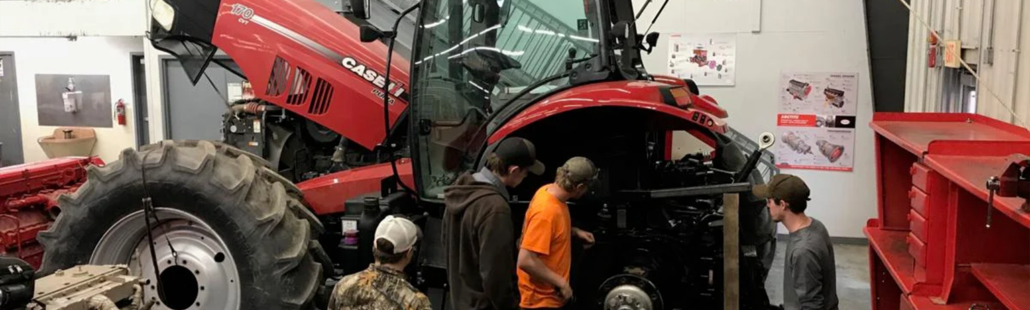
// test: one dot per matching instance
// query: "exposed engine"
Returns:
(298, 148)
(657, 222)
(663, 253)
(28, 198)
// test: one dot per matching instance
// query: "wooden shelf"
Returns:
(893, 251)
(1010, 283)
(925, 303)
(972, 172)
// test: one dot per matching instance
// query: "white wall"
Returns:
(88, 55)
(796, 35)
(1000, 25)
(72, 17)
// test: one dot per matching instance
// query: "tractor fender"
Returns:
(622, 94)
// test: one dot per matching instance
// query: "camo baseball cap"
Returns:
(787, 187)
(580, 170)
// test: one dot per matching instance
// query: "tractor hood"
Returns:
(659, 97)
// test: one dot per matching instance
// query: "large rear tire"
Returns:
(241, 236)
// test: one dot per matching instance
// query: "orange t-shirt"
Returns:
(547, 231)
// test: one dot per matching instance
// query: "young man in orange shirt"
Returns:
(545, 254)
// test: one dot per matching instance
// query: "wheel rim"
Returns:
(201, 275)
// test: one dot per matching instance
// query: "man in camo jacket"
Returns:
(383, 285)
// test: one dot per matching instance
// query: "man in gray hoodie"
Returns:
(478, 231)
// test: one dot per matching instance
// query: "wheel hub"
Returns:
(195, 268)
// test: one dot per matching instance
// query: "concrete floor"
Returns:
(852, 276)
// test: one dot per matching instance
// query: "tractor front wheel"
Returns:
(228, 232)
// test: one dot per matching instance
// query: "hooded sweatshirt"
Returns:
(479, 238)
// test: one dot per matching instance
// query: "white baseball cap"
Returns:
(399, 231)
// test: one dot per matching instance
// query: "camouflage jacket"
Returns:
(377, 288)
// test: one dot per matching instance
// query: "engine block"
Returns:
(28, 201)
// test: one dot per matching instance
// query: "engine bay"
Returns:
(658, 221)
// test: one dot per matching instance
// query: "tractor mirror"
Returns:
(360, 9)
(651, 39)
(370, 33)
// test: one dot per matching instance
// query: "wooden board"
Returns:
(731, 251)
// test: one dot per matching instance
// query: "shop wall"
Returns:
(84, 56)
(782, 36)
(995, 36)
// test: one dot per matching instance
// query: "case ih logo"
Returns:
(372, 76)
(245, 13)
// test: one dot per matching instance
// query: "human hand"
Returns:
(565, 291)
(586, 236)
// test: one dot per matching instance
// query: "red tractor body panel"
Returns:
(631, 94)
(305, 58)
(701, 102)
(328, 193)
(28, 197)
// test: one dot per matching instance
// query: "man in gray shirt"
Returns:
(809, 274)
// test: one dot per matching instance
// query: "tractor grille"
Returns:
(277, 81)
(323, 95)
(301, 85)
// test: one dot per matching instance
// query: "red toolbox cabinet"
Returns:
(919, 175)
(920, 201)
(917, 224)
(929, 239)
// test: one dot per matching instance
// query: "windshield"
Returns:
(475, 55)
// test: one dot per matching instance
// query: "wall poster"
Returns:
(74, 100)
(816, 121)
(708, 59)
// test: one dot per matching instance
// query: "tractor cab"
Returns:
(476, 64)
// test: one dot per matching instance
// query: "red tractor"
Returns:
(212, 226)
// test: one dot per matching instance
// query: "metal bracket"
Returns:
(704, 190)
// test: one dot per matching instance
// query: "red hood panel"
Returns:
(634, 94)
(309, 36)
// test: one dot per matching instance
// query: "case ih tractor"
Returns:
(210, 226)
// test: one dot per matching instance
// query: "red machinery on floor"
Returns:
(28, 201)
(942, 240)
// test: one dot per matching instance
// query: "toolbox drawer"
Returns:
(916, 248)
(917, 224)
(920, 201)
(919, 172)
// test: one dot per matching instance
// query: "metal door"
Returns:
(139, 104)
(195, 111)
(10, 118)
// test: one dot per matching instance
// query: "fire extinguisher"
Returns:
(931, 56)
(119, 109)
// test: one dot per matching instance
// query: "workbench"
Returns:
(930, 247)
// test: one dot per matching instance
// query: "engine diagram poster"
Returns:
(708, 59)
(816, 121)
